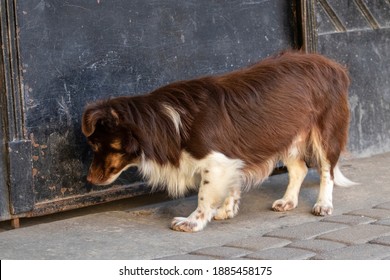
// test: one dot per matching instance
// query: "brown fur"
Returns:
(251, 114)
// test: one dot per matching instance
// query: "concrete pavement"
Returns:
(138, 228)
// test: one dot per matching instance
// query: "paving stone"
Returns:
(306, 230)
(187, 257)
(356, 252)
(385, 222)
(371, 213)
(356, 234)
(259, 243)
(384, 240)
(222, 252)
(385, 205)
(348, 220)
(283, 253)
(316, 245)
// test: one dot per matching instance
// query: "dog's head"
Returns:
(113, 140)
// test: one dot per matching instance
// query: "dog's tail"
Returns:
(340, 180)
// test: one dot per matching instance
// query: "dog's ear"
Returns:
(138, 141)
(91, 116)
(95, 113)
(132, 146)
(133, 142)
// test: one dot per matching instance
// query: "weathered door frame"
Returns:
(16, 148)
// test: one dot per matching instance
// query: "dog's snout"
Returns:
(98, 178)
(91, 179)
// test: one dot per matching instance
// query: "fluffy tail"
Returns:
(340, 180)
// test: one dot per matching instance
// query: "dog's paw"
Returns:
(185, 225)
(282, 205)
(223, 214)
(228, 210)
(322, 209)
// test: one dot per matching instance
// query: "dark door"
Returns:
(58, 55)
(357, 33)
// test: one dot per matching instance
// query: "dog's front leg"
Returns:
(219, 176)
(229, 209)
(209, 198)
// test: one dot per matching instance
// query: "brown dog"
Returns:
(222, 134)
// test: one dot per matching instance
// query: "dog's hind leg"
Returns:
(297, 171)
(219, 176)
(327, 158)
(324, 205)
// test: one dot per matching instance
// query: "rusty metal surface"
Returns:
(94, 198)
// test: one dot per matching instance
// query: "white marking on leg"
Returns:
(297, 171)
(219, 175)
(230, 207)
(324, 205)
